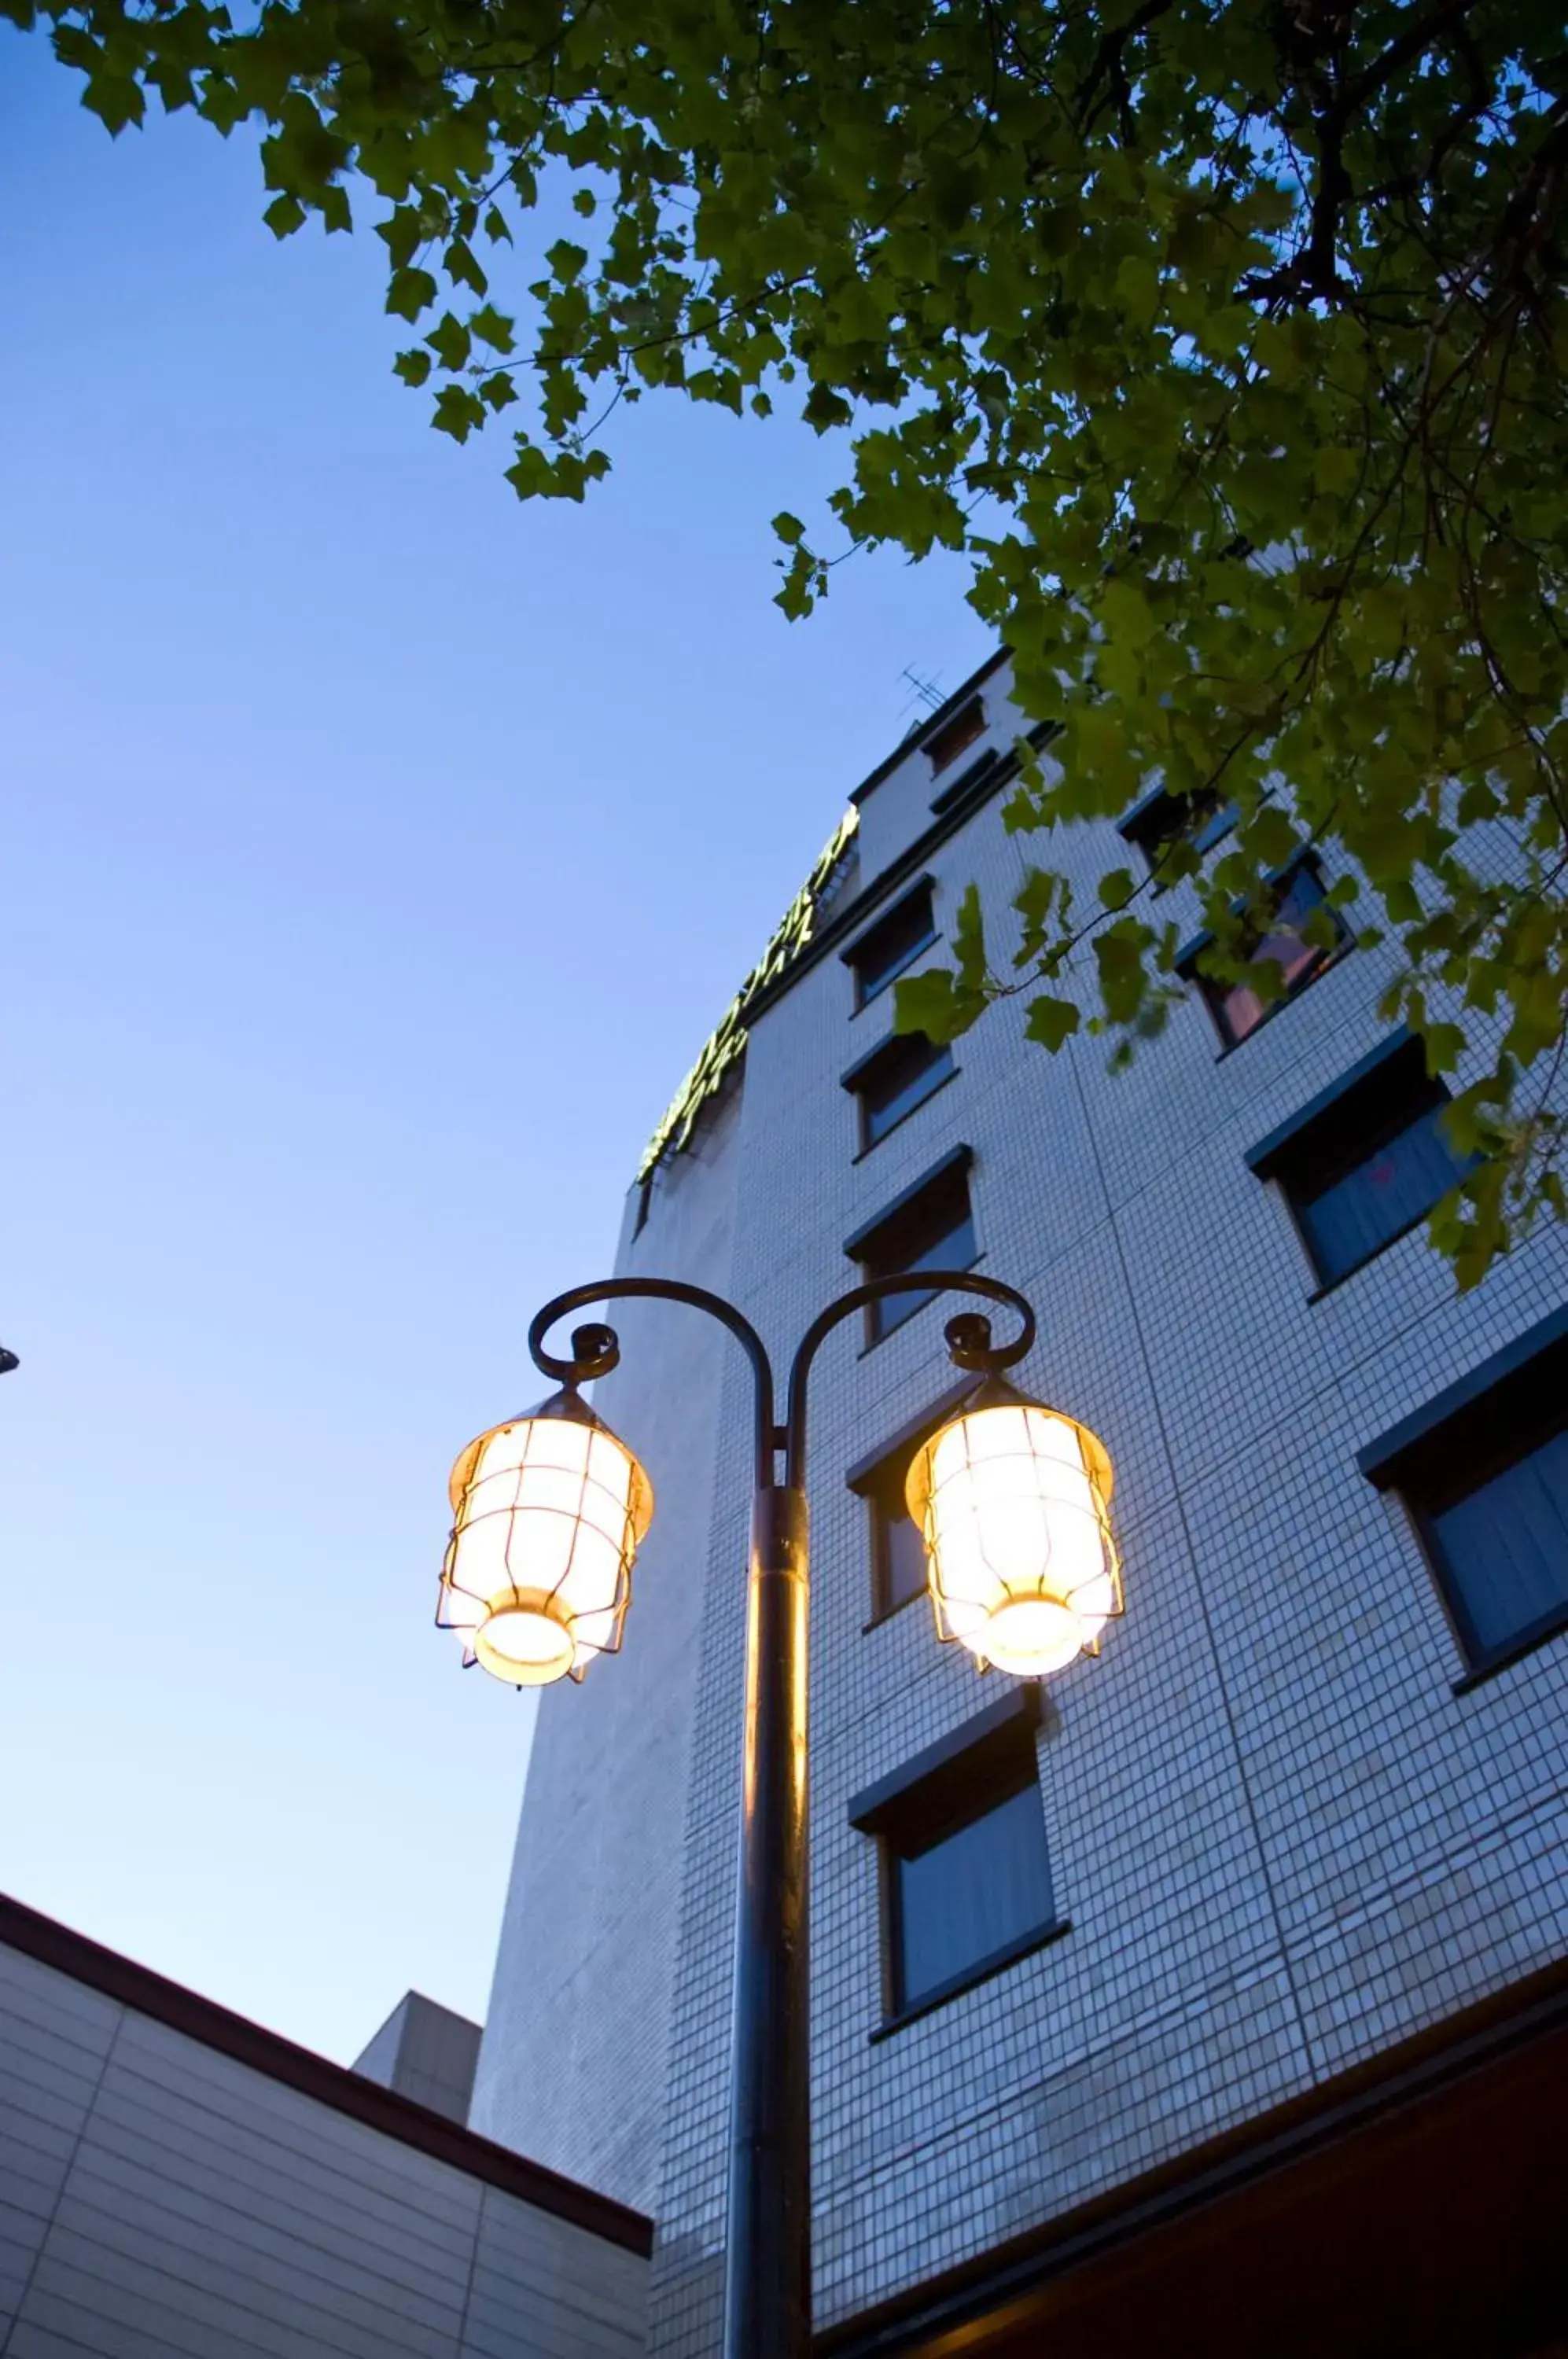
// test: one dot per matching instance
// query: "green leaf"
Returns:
(1335, 470)
(825, 409)
(116, 100)
(969, 943)
(283, 215)
(1119, 953)
(493, 328)
(403, 232)
(530, 475)
(458, 412)
(1445, 1045)
(463, 266)
(1273, 838)
(933, 1003)
(567, 262)
(409, 292)
(1051, 1022)
(450, 341)
(1073, 322)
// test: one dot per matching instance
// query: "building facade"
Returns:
(1307, 1808)
(425, 2053)
(177, 2183)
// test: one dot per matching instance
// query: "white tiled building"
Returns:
(1311, 1799)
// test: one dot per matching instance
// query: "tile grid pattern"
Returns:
(1282, 1840)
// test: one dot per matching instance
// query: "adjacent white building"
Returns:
(177, 2183)
(1311, 1801)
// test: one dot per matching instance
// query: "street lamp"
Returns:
(1012, 1502)
(549, 1508)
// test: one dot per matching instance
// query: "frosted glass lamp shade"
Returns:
(1012, 1500)
(548, 1512)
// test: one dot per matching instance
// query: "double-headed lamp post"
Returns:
(1012, 1499)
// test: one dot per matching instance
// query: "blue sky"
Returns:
(378, 853)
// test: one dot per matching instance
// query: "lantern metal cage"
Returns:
(548, 1511)
(1012, 1501)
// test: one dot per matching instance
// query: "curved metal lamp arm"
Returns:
(968, 1340)
(596, 1350)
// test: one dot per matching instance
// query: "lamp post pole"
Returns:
(768, 2263)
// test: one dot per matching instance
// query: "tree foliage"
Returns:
(1223, 339)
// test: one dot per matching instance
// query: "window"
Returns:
(1483, 1471)
(930, 1226)
(992, 769)
(898, 1550)
(1162, 820)
(965, 1870)
(948, 741)
(899, 1556)
(897, 939)
(1367, 1160)
(894, 1079)
(967, 780)
(1237, 1008)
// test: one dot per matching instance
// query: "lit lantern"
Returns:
(548, 1511)
(1012, 1500)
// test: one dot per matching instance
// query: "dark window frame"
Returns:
(869, 1245)
(992, 764)
(967, 780)
(880, 1477)
(885, 1602)
(1214, 993)
(943, 745)
(989, 1762)
(936, 1066)
(1490, 1421)
(1342, 1131)
(855, 953)
(1162, 819)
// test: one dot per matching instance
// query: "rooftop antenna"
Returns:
(930, 696)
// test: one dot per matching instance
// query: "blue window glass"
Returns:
(1392, 1187)
(1237, 1010)
(897, 1078)
(897, 1553)
(900, 1556)
(886, 949)
(1484, 1472)
(952, 1249)
(972, 1893)
(934, 1230)
(1367, 1159)
(1218, 824)
(1503, 1552)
